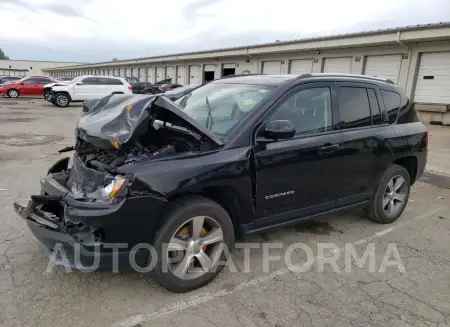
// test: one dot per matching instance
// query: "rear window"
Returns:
(392, 104)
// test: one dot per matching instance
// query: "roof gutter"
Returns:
(403, 45)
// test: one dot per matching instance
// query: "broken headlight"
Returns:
(112, 190)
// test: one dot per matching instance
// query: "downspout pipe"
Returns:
(251, 57)
(403, 45)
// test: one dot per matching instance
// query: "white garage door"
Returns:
(159, 74)
(181, 75)
(272, 67)
(151, 74)
(338, 65)
(433, 79)
(384, 66)
(301, 66)
(194, 75)
(210, 68)
(170, 73)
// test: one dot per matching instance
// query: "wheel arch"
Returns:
(13, 88)
(225, 196)
(63, 92)
(410, 163)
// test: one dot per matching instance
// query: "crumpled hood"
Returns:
(55, 84)
(114, 120)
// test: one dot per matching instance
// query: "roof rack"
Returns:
(374, 78)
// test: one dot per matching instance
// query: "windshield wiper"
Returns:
(209, 119)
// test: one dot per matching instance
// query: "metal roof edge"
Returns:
(277, 43)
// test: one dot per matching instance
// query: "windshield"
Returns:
(220, 106)
(181, 89)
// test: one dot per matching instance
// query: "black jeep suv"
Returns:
(235, 156)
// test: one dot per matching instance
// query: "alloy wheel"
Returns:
(62, 100)
(195, 248)
(394, 195)
(13, 93)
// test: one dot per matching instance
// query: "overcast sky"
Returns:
(100, 30)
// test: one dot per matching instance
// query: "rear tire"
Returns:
(181, 216)
(391, 196)
(13, 93)
(61, 100)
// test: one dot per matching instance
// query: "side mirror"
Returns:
(79, 83)
(279, 130)
(21, 83)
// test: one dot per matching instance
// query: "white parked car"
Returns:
(88, 88)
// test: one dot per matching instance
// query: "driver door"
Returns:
(299, 176)
(86, 89)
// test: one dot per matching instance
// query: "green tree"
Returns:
(2, 55)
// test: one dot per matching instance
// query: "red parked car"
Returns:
(27, 86)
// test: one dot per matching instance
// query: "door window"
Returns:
(354, 108)
(109, 81)
(31, 81)
(90, 81)
(42, 81)
(309, 110)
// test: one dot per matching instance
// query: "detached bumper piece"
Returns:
(33, 211)
(83, 246)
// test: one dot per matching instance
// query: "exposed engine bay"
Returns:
(123, 130)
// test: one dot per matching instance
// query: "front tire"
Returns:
(61, 100)
(13, 93)
(391, 195)
(190, 244)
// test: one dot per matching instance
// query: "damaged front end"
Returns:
(100, 201)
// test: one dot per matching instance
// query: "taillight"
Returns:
(130, 88)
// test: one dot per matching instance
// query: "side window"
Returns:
(309, 110)
(30, 81)
(374, 107)
(42, 81)
(354, 108)
(90, 81)
(115, 81)
(392, 104)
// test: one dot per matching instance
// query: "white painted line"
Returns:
(195, 301)
(387, 230)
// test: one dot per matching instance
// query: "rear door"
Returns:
(38, 90)
(366, 139)
(104, 87)
(116, 85)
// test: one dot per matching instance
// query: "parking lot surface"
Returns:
(413, 293)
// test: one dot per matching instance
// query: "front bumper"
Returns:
(102, 236)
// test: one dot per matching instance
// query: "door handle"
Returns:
(329, 148)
